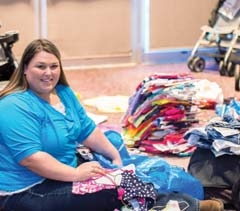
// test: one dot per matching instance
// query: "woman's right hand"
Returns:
(88, 170)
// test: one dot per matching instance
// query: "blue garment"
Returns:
(29, 124)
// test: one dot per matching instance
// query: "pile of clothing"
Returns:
(163, 108)
(221, 133)
(216, 160)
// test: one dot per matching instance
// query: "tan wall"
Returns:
(88, 29)
(18, 15)
(176, 23)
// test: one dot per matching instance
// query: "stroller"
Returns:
(8, 63)
(221, 35)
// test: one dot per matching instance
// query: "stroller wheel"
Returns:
(190, 63)
(198, 64)
(222, 69)
(230, 69)
(237, 77)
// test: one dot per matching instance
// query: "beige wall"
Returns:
(176, 23)
(87, 29)
(103, 29)
(18, 15)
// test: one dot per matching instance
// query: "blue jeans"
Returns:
(57, 196)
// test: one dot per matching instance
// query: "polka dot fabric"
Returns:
(144, 193)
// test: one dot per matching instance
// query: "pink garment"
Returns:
(108, 181)
(90, 186)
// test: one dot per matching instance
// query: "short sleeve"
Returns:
(20, 127)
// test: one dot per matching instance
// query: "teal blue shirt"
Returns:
(29, 124)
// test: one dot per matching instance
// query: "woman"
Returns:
(40, 125)
(41, 122)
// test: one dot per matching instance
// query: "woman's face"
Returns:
(42, 73)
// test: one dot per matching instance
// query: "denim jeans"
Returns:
(57, 196)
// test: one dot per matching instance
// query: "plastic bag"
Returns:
(155, 170)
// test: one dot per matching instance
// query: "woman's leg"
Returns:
(57, 196)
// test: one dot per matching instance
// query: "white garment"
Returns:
(60, 107)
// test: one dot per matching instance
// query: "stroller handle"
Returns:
(9, 37)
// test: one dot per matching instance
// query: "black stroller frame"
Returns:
(226, 42)
(8, 62)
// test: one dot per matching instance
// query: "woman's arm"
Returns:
(99, 143)
(47, 166)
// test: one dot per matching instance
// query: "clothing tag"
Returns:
(172, 206)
